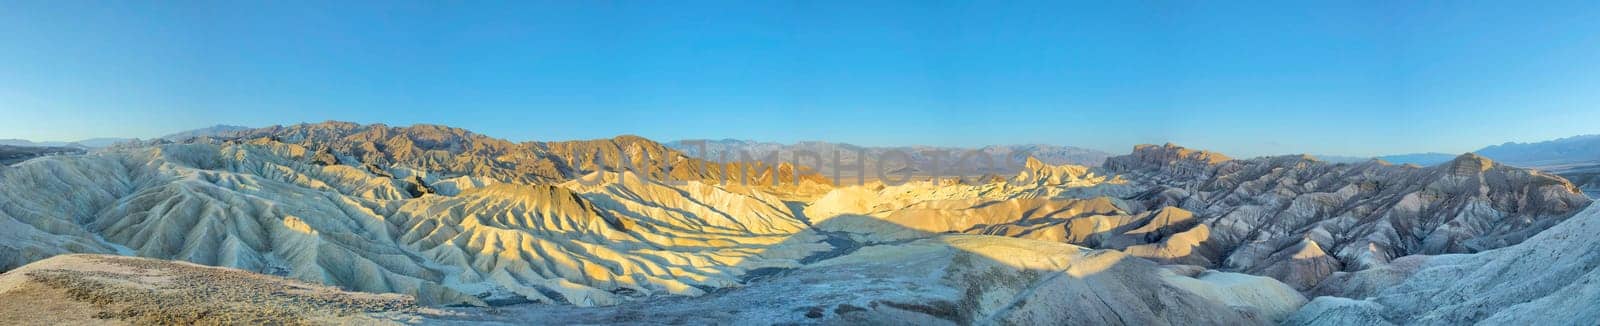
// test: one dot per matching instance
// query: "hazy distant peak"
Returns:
(212, 131)
(1421, 159)
(1570, 149)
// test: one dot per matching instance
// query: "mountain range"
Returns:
(922, 161)
(93, 143)
(212, 131)
(459, 227)
(82, 144)
(1582, 149)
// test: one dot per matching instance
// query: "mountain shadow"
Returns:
(945, 279)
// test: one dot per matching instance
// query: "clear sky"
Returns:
(1339, 77)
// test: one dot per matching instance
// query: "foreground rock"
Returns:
(1551, 279)
(940, 280)
(95, 289)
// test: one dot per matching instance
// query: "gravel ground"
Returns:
(164, 293)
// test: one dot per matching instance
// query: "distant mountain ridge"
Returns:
(922, 161)
(1422, 159)
(1585, 148)
(1576, 158)
(1575, 149)
(212, 131)
(103, 142)
(81, 144)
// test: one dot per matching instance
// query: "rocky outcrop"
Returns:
(1036, 204)
(1170, 162)
(1550, 279)
(447, 151)
(1299, 219)
(1585, 175)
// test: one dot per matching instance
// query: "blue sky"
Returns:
(1336, 77)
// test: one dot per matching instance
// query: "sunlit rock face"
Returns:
(1067, 204)
(443, 150)
(587, 243)
(1167, 162)
(1550, 279)
(1168, 235)
(1585, 175)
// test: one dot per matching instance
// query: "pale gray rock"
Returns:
(1551, 279)
(1300, 220)
(1336, 311)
